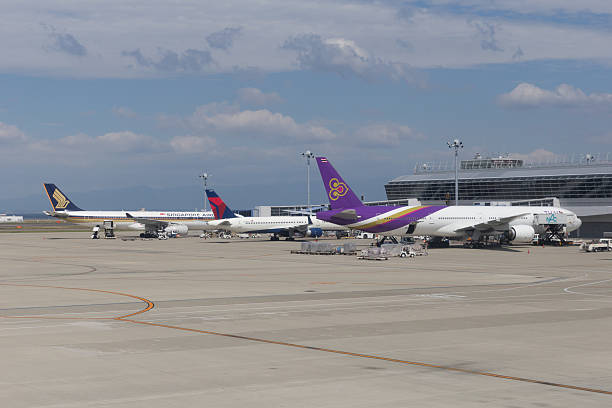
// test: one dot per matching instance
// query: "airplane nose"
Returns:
(578, 222)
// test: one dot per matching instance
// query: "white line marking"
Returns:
(568, 289)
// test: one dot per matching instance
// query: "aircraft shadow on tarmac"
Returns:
(67, 238)
(497, 248)
(235, 241)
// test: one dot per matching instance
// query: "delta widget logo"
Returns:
(337, 189)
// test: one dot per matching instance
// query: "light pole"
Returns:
(204, 177)
(308, 155)
(456, 144)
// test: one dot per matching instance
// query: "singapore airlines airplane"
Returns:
(285, 226)
(151, 222)
(473, 223)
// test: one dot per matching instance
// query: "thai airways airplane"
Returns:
(285, 226)
(151, 222)
(473, 223)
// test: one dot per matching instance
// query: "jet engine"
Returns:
(176, 229)
(521, 233)
(314, 232)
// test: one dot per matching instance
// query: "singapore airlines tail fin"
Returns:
(59, 201)
(219, 208)
(339, 194)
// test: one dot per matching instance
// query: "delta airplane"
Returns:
(151, 222)
(277, 226)
(472, 223)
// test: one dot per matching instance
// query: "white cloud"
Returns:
(256, 97)
(528, 95)
(540, 7)
(192, 144)
(225, 119)
(385, 135)
(170, 41)
(344, 57)
(10, 134)
(537, 156)
(91, 146)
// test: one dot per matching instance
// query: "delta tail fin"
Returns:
(59, 201)
(218, 206)
(338, 192)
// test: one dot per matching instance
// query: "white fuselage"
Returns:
(453, 220)
(192, 219)
(272, 224)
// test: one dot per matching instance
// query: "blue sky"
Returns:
(113, 95)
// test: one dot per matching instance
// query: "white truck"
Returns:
(604, 244)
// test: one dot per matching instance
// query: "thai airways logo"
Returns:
(62, 201)
(337, 189)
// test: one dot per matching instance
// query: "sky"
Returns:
(114, 99)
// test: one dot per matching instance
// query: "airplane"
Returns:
(475, 224)
(153, 223)
(285, 226)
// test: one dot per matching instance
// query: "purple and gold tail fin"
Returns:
(218, 206)
(339, 194)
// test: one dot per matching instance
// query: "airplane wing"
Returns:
(304, 212)
(491, 224)
(302, 229)
(221, 224)
(57, 214)
(148, 222)
(350, 215)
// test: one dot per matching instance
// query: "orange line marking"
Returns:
(150, 305)
(374, 357)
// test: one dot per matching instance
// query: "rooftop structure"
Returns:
(478, 162)
(581, 183)
(504, 161)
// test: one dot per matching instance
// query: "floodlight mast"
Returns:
(204, 177)
(456, 144)
(308, 155)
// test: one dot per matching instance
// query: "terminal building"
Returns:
(581, 184)
(11, 218)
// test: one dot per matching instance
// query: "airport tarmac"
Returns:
(193, 322)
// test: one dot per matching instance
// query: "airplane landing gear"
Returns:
(384, 238)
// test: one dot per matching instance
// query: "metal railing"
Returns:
(573, 160)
